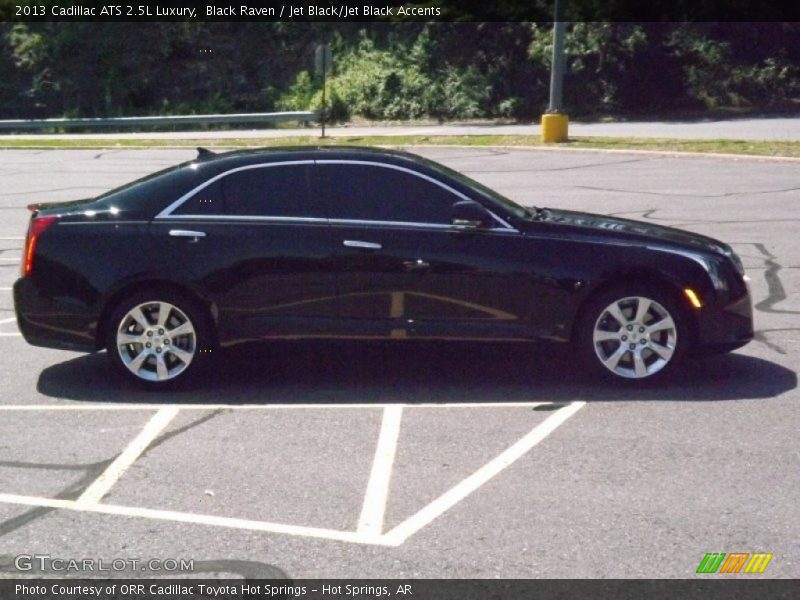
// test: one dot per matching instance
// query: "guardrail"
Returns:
(277, 117)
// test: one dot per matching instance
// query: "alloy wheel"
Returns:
(156, 341)
(635, 337)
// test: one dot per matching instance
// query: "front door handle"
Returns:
(185, 233)
(362, 245)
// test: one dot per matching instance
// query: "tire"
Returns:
(633, 332)
(155, 337)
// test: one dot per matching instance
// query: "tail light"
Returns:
(36, 228)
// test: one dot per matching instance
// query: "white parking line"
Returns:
(9, 333)
(182, 517)
(371, 521)
(134, 406)
(457, 493)
(111, 475)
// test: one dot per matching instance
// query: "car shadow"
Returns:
(413, 372)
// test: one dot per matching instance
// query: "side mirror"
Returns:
(470, 214)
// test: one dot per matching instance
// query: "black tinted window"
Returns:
(374, 193)
(264, 192)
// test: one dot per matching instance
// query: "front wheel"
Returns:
(155, 338)
(634, 332)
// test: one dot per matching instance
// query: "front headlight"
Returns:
(737, 262)
(717, 277)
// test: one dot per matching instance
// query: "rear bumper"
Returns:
(52, 322)
(722, 329)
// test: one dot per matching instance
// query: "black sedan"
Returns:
(362, 243)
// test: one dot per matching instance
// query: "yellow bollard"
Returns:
(554, 127)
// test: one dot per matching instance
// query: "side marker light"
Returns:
(693, 298)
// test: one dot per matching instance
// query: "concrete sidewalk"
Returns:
(765, 129)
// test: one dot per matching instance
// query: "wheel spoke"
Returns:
(161, 367)
(615, 311)
(181, 329)
(136, 363)
(664, 324)
(127, 338)
(642, 308)
(182, 354)
(664, 352)
(638, 364)
(137, 315)
(164, 310)
(613, 359)
(601, 335)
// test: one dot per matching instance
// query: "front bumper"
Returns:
(725, 328)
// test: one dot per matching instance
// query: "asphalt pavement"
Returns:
(420, 460)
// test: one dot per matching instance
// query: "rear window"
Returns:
(149, 195)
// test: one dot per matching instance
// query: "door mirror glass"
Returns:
(470, 214)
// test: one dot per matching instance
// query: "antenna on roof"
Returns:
(203, 153)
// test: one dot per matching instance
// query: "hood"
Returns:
(639, 230)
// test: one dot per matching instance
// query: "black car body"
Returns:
(350, 242)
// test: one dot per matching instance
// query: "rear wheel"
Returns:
(155, 337)
(633, 332)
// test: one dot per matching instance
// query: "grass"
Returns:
(742, 147)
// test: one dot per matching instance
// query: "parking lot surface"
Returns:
(342, 459)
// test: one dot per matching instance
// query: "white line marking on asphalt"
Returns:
(89, 500)
(10, 334)
(182, 517)
(2, 321)
(9, 259)
(371, 521)
(134, 406)
(457, 493)
(111, 475)
(12, 238)
(5, 289)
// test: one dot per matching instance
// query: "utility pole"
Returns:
(322, 65)
(555, 122)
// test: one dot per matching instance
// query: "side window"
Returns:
(280, 191)
(373, 193)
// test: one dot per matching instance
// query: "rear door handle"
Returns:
(185, 233)
(362, 245)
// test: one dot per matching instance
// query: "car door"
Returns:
(404, 270)
(254, 242)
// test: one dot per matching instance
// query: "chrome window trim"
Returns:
(442, 226)
(167, 212)
(300, 220)
(246, 218)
